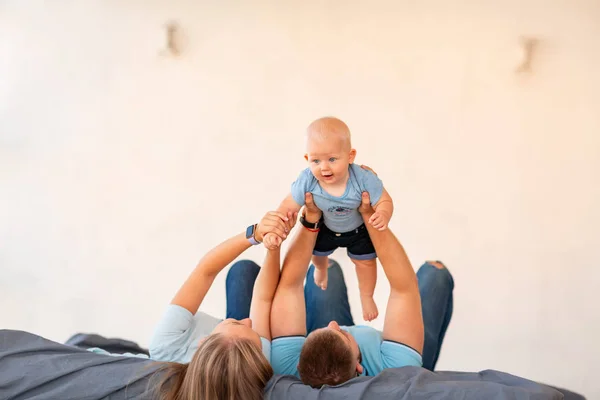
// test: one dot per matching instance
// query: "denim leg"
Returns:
(435, 287)
(238, 288)
(324, 306)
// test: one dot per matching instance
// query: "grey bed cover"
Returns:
(35, 368)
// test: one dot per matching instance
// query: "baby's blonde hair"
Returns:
(328, 127)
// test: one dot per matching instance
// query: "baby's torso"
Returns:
(340, 212)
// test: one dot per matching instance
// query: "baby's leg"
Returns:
(321, 264)
(324, 247)
(366, 271)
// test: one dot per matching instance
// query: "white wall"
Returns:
(120, 167)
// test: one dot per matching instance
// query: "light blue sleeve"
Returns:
(98, 350)
(172, 333)
(266, 348)
(370, 182)
(396, 355)
(285, 354)
(302, 185)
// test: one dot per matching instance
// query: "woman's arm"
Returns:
(287, 205)
(265, 285)
(193, 291)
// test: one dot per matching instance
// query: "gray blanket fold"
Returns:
(32, 367)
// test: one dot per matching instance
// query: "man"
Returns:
(336, 350)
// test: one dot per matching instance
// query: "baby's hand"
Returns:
(272, 241)
(274, 228)
(380, 220)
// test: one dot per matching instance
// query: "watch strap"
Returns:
(310, 225)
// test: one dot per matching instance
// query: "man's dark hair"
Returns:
(326, 359)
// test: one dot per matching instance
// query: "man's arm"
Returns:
(403, 319)
(265, 285)
(288, 313)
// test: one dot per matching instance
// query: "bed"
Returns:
(35, 368)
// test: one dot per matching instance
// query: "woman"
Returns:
(214, 359)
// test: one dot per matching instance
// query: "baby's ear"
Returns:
(352, 156)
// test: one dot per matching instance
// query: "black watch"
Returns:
(310, 225)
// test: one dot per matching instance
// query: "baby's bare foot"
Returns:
(321, 278)
(369, 308)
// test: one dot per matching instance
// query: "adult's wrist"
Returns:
(367, 215)
(258, 236)
(311, 217)
(252, 235)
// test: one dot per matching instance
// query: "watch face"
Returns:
(249, 231)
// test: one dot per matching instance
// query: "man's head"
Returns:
(329, 150)
(330, 356)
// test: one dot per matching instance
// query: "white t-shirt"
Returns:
(177, 335)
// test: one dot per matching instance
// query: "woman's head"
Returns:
(238, 329)
(225, 366)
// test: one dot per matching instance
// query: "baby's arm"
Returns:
(383, 211)
(272, 241)
(384, 208)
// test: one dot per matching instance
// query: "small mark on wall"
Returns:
(173, 35)
(528, 49)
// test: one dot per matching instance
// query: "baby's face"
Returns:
(329, 158)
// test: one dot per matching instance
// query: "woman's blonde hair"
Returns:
(223, 367)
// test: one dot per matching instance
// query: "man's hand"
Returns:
(274, 228)
(368, 169)
(379, 219)
(365, 209)
(311, 211)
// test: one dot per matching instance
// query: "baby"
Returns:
(337, 184)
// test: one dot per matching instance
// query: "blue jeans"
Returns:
(323, 306)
